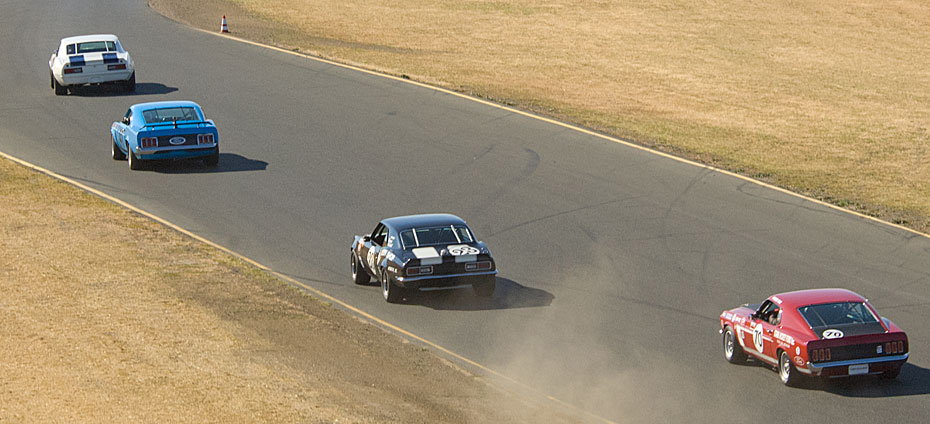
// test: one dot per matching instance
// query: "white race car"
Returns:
(91, 59)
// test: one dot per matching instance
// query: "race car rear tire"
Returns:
(359, 275)
(51, 76)
(484, 289)
(117, 153)
(891, 375)
(129, 85)
(213, 159)
(134, 163)
(732, 351)
(786, 371)
(60, 90)
(392, 293)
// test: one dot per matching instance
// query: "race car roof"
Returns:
(801, 298)
(164, 104)
(401, 223)
(86, 38)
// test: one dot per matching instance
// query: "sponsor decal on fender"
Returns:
(784, 337)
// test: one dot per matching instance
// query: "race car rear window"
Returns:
(425, 236)
(831, 314)
(96, 46)
(170, 114)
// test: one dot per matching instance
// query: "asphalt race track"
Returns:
(615, 262)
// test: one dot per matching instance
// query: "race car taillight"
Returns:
(116, 67)
(204, 138)
(818, 355)
(894, 347)
(148, 142)
(73, 70)
(478, 266)
(419, 270)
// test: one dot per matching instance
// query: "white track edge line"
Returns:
(293, 281)
(570, 127)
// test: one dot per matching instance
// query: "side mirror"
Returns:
(125, 120)
(366, 238)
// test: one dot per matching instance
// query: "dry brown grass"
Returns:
(106, 316)
(828, 98)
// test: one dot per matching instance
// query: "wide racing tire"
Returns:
(60, 90)
(732, 351)
(392, 293)
(134, 163)
(359, 275)
(116, 152)
(213, 159)
(129, 85)
(786, 372)
(485, 288)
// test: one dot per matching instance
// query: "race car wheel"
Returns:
(359, 275)
(786, 371)
(891, 374)
(116, 152)
(213, 159)
(134, 163)
(60, 90)
(485, 289)
(732, 351)
(130, 85)
(51, 76)
(391, 292)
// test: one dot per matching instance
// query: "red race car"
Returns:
(820, 332)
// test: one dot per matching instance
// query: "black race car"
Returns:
(417, 251)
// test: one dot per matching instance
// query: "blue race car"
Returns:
(165, 130)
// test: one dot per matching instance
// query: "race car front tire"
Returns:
(359, 275)
(732, 351)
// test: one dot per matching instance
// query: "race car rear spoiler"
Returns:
(176, 123)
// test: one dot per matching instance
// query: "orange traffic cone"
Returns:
(224, 28)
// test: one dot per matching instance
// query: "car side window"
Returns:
(70, 49)
(379, 234)
(769, 312)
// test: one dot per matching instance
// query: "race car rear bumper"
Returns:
(174, 153)
(448, 280)
(876, 365)
(95, 77)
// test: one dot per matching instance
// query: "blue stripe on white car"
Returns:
(77, 60)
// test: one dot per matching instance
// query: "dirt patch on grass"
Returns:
(106, 316)
(828, 98)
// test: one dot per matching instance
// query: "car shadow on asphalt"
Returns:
(229, 162)
(508, 294)
(142, 89)
(914, 380)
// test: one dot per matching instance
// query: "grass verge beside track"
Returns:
(107, 316)
(830, 99)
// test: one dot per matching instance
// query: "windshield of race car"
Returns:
(833, 314)
(426, 236)
(91, 47)
(170, 114)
